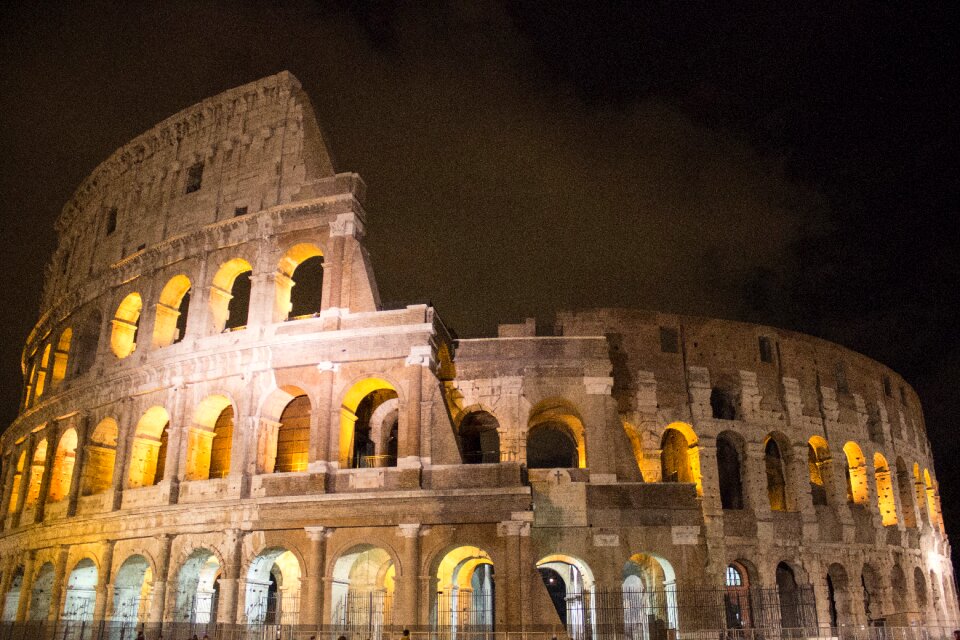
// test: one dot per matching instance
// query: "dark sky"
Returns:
(794, 165)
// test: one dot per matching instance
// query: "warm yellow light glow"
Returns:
(62, 355)
(857, 490)
(145, 452)
(101, 455)
(885, 499)
(221, 291)
(168, 310)
(125, 324)
(683, 454)
(348, 417)
(63, 462)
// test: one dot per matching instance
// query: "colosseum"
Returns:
(224, 432)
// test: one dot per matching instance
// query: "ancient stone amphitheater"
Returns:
(223, 430)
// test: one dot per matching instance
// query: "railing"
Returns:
(377, 462)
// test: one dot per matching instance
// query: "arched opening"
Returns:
(369, 425)
(210, 439)
(465, 591)
(920, 589)
(170, 324)
(649, 597)
(273, 589)
(40, 377)
(857, 490)
(299, 282)
(555, 436)
(126, 325)
(63, 462)
(898, 589)
(364, 578)
(479, 438)
(723, 404)
(61, 356)
(931, 499)
(197, 588)
(36, 474)
(729, 471)
(795, 610)
(837, 595)
(230, 295)
(906, 495)
(131, 591)
(776, 478)
(101, 455)
(818, 465)
(736, 597)
(872, 603)
(679, 460)
(87, 342)
(17, 481)
(885, 498)
(11, 601)
(149, 449)
(81, 591)
(570, 584)
(293, 436)
(40, 595)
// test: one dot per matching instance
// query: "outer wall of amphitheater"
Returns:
(222, 424)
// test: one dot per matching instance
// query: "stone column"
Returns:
(227, 607)
(124, 440)
(509, 595)
(79, 462)
(406, 598)
(601, 458)
(103, 606)
(332, 278)
(176, 437)
(320, 432)
(26, 587)
(408, 449)
(311, 603)
(57, 591)
(260, 311)
(53, 440)
(24, 481)
(9, 471)
(158, 599)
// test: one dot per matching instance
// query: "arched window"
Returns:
(299, 282)
(222, 445)
(37, 468)
(728, 468)
(86, 343)
(101, 455)
(791, 609)
(920, 588)
(293, 436)
(479, 439)
(818, 458)
(63, 462)
(17, 481)
(856, 474)
(149, 449)
(885, 499)
(210, 439)
(62, 355)
(172, 308)
(906, 495)
(126, 325)
(230, 295)
(40, 381)
(932, 510)
(737, 597)
(675, 457)
(551, 445)
(369, 425)
(776, 479)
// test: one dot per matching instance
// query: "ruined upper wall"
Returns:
(241, 151)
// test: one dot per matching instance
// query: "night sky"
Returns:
(791, 165)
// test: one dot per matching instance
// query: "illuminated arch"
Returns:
(17, 481)
(228, 285)
(907, 504)
(149, 448)
(680, 456)
(101, 456)
(775, 465)
(197, 588)
(819, 469)
(570, 582)
(930, 490)
(37, 468)
(132, 588)
(649, 595)
(857, 490)
(283, 443)
(210, 439)
(63, 463)
(62, 355)
(40, 379)
(479, 438)
(301, 265)
(126, 325)
(273, 588)
(465, 590)
(885, 497)
(636, 444)
(40, 595)
(555, 435)
(359, 404)
(730, 469)
(172, 308)
(80, 593)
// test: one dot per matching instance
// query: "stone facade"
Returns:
(222, 424)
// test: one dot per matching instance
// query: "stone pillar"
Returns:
(311, 603)
(58, 591)
(601, 458)
(509, 595)
(332, 279)
(125, 429)
(260, 311)
(198, 313)
(158, 599)
(320, 432)
(176, 436)
(9, 471)
(24, 481)
(228, 605)
(53, 440)
(9, 567)
(103, 605)
(79, 462)
(407, 601)
(408, 449)
(26, 587)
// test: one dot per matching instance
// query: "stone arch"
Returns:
(40, 594)
(569, 582)
(795, 611)
(730, 469)
(872, 593)
(86, 342)
(17, 482)
(101, 456)
(61, 357)
(357, 449)
(37, 469)
(230, 295)
(679, 455)
(273, 587)
(40, 372)
(839, 605)
(885, 498)
(857, 490)
(898, 589)
(556, 432)
(198, 587)
(80, 593)
(11, 601)
(148, 450)
(210, 439)
(283, 443)
(132, 588)
(649, 595)
(126, 325)
(819, 467)
(931, 499)
(907, 503)
(64, 460)
(364, 581)
(299, 282)
(465, 590)
(920, 589)
(479, 437)
(775, 456)
(737, 607)
(170, 324)
(636, 445)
